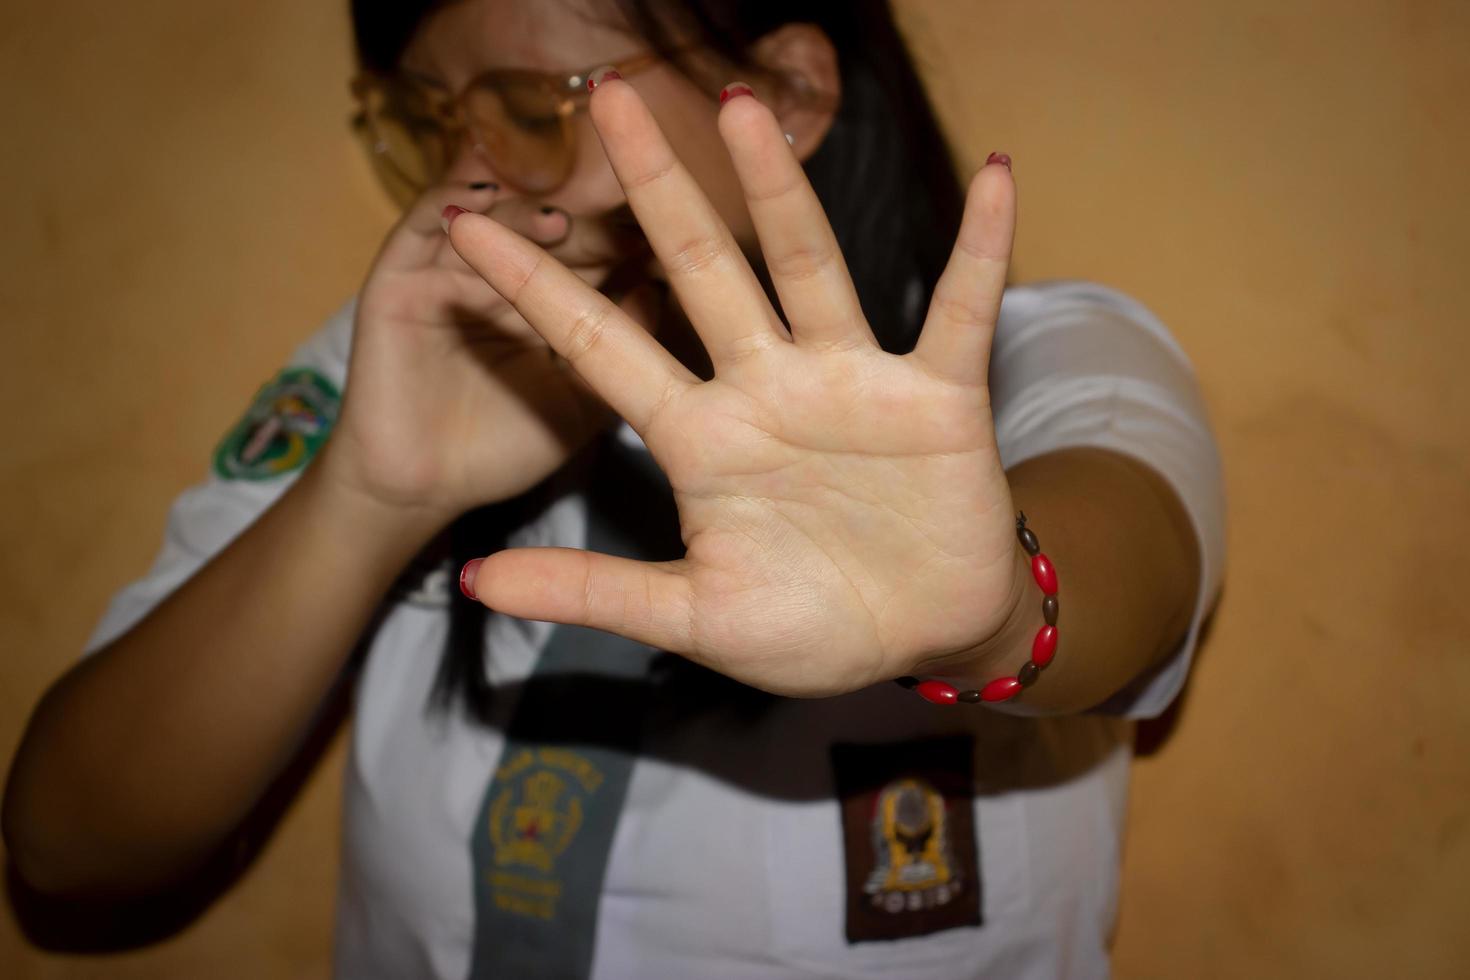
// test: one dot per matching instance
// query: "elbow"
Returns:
(39, 817)
(38, 875)
(69, 836)
(39, 862)
(55, 855)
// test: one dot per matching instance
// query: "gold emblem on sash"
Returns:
(533, 820)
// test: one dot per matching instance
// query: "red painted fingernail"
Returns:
(599, 75)
(467, 577)
(1001, 158)
(447, 216)
(734, 89)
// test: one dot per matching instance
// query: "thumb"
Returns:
(648, 602)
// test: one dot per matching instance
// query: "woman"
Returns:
(844, 480)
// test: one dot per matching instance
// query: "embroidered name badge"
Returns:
(908, 830)
(283, 428)
(532, 821)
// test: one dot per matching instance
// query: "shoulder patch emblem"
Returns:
(283, 428)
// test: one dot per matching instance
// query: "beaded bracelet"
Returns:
(1043, 648)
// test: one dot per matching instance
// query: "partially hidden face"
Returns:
(464, 39)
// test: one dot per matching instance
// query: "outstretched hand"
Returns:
(845, 511)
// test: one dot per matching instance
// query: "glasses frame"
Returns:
(448, 110)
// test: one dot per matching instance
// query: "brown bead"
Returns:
(970, 697)
(1049, 610)
(1028, 540)
(1027, 675)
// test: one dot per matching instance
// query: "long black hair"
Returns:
(884, 173)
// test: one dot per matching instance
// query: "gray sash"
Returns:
(541, 841)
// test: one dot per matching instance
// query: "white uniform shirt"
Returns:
(728, 857)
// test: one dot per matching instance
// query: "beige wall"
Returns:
(1277, 181)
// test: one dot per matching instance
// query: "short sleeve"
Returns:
(255, 462)
(1076, 364)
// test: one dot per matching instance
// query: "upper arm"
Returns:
(1076, 365)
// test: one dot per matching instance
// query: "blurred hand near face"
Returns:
(453, 400)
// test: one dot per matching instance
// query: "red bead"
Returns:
(938, 692)
(1000, 689)
(1044, 647)
(1045, 574)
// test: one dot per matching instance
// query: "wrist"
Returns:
(1005, 650)
(342, 494)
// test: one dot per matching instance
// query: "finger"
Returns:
(485, 317)
(714, 282)
(616, 356)
(802, 256)
(955, 342)
(576, 241)
(543, 224)
(419, 235)
(418, 238)
(603, 239)
(471, 301)
(643, 304)
(463, 299)
(646, 602)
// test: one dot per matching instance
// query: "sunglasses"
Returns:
(521, 122)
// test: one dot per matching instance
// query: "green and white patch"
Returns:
(284, 427)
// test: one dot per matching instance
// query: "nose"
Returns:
(470, 168)
(469, 165)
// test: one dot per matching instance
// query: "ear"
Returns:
(806, 85)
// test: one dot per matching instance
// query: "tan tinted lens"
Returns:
(405, 136)
(525, 136)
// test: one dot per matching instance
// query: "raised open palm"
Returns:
(845, 510)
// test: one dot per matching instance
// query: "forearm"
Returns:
(145, 756)
(1127, 560)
